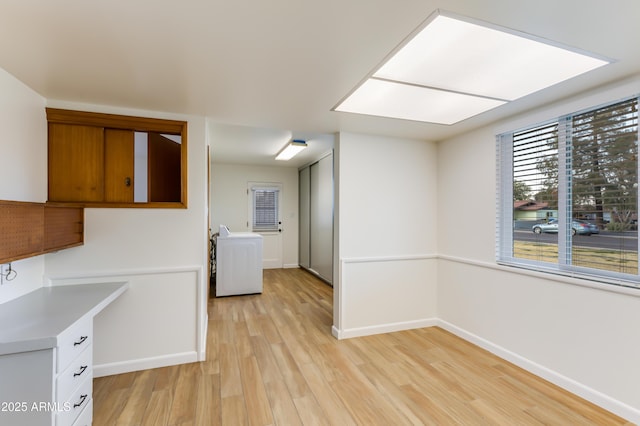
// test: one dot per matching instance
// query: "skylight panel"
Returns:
(455, 68)
(398, 100)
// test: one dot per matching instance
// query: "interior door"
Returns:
(265, 201)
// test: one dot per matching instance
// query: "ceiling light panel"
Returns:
(454, 68)
(291, 149)
(397, 100)
(461, 56)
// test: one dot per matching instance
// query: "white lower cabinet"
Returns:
(46, 355)
(26, 388)
(86, 417)
(55, 396)
(74, 375)
(74, 382)
(75, 403)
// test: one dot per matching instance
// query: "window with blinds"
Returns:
(568, 195)
(535, 191)
(265, 210)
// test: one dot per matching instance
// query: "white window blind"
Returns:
(265, 209)
(568, 195)
(535, 183)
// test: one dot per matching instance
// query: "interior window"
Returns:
(110, 160)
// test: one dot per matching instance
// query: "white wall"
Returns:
(229, 201)
(23, 167)
(163, 253)
(576, 334)
(386, 234)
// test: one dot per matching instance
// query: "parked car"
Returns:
(551, 227)
(593, 228)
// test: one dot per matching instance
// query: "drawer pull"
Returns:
(79, 373)
(81, 341)
(83, 398)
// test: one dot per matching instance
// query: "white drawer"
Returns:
(73, 341)
(86, 417)
(76, 403)
(79, 368)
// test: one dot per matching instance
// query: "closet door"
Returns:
(321, 216)
(304, 197)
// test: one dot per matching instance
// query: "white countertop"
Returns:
(34, 321)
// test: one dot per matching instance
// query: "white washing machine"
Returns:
(238, 263)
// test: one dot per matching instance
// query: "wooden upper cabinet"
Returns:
(76, 163)
(95, 160)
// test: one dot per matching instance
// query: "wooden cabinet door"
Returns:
(118, 165)
(164, 168)
(76, 163)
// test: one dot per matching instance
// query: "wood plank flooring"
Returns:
(271, 360)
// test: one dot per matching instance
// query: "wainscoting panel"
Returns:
(384, 294)
(160, 320)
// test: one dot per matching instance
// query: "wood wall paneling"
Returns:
(21, 229)
(63, 227)
(31, 229)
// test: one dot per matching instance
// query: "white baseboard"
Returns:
(109, 369)
(383, 328)
(623, 410)
(202, 353)
(290, 266)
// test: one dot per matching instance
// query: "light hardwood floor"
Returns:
(271, 360)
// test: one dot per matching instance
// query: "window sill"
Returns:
(614, 287)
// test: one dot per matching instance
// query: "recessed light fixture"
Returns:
(291, 149)
(452, 68)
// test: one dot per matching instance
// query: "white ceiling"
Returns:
(275, 66)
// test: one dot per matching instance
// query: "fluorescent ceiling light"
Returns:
(397, 100)
(454, 68)
(291, 149)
